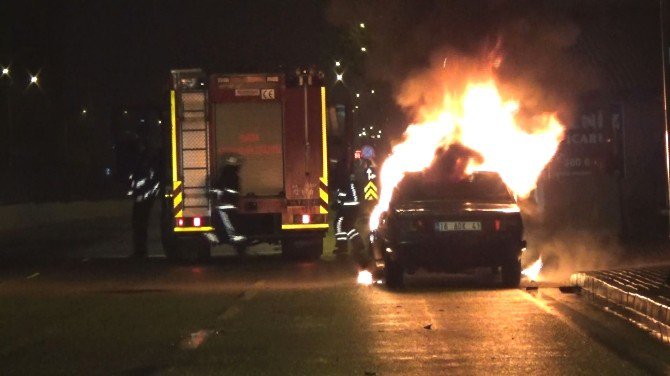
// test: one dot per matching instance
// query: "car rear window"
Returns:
(478, 187)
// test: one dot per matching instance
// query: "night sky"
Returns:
(101, 52)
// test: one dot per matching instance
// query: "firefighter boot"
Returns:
(341, 248)
(358, 251)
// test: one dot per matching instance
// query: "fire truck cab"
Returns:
(280, 131)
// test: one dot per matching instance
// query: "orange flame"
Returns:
(364, 278)
(533, 271)
(517, 147)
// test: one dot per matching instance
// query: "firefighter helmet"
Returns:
(232, 159)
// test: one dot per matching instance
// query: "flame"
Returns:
(364, 278)
(533, 271)
(516, 146)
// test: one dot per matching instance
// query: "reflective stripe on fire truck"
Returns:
(193, 229)
(305, 226)
(173, 137)
(178, 199)
(323, 186)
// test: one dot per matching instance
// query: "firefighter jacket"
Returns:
(227, 185)
(145, 180)
(349, 195)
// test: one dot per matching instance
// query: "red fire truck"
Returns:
(279, 127)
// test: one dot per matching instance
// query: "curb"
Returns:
(644, 311)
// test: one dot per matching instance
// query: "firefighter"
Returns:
(227, 191)
(145, 184)
(348, 200)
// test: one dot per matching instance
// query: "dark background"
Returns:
(98, 55)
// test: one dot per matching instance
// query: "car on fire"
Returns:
(446, 224)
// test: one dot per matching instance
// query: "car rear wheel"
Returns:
(394, 274)
(511, 273)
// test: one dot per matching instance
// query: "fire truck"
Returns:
(278, 125)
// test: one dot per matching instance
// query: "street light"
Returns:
(33, 80)
(372, 91)
(5, 71)
(362, 25)
(339, 77)
(363, 49)
(337, 64)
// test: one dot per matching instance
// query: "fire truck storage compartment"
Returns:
(253, 130)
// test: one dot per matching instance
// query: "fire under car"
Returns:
(443, 224)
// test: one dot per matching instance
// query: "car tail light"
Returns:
(180, 222)
(507, 224)
(197, 222)
(306, 219)
(419, 224)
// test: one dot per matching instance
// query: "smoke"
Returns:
(411, 44)
(567, 251)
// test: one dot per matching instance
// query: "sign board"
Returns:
(247, 92)
(367, 152)
(592, 144)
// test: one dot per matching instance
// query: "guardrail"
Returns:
(641, 310)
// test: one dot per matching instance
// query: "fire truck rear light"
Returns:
(197, 222)
(497, 224)
(180, 222)
(306, 219)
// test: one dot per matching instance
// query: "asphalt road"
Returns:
(80, 308)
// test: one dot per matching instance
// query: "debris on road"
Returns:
(570, 289)
(428, 327)
(194, 340)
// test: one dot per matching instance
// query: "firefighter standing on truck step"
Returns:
(227, 190)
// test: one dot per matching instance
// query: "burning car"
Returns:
(449, 223)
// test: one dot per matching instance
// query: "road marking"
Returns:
(230, 313)
(543, 305)
(255, 288)
(32, 276)
(194, 340)
(247, 295)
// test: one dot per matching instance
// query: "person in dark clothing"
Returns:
(144, 188)
(227, 191)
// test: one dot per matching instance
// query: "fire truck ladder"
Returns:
(194, 151)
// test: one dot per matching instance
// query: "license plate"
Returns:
(458, 226)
